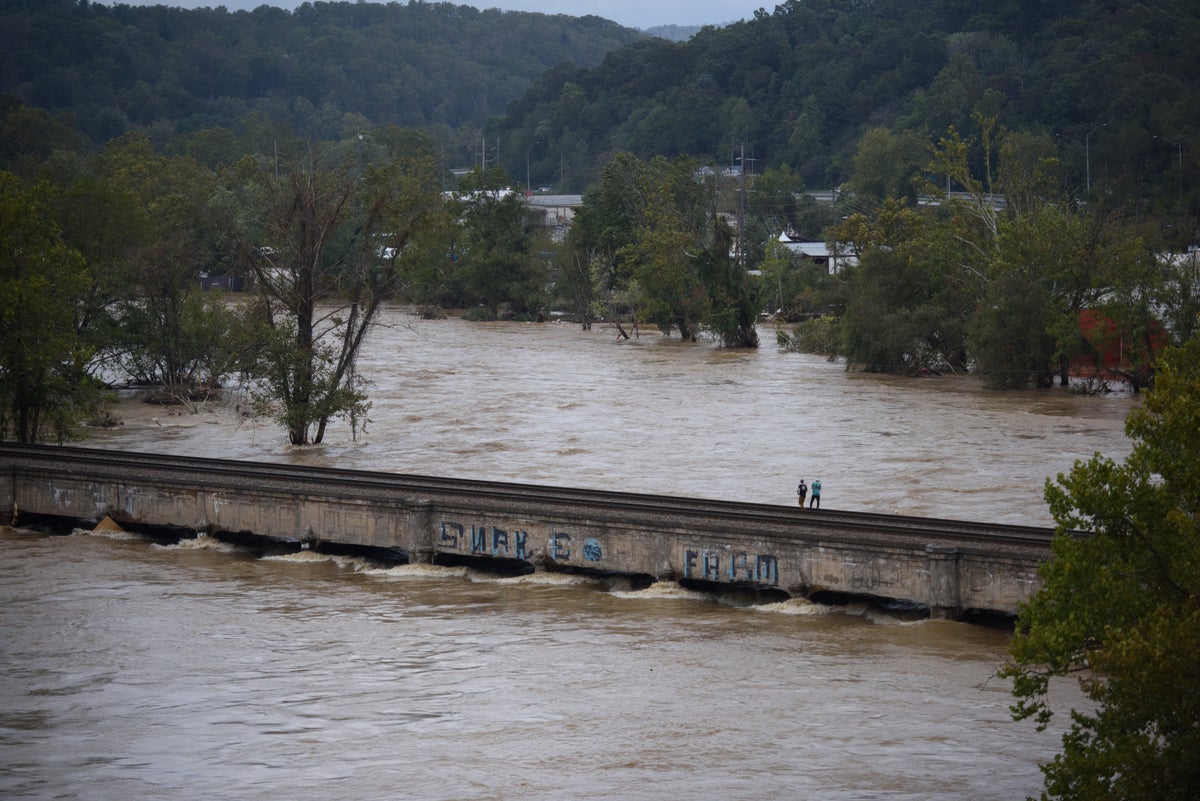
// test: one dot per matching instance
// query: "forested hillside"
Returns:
(306, 155)
(168, 71)
(1116, 83)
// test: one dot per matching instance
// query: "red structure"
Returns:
(1115, 356)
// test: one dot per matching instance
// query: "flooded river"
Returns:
(131, 670)
(551, 404)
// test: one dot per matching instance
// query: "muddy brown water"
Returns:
(133, 670)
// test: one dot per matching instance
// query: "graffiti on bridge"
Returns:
(705, 564)
(485, 540)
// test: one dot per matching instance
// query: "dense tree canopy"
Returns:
(43, 387)
(1119, 607)
(168, 332)
(910, 299)
(1001, 277)
(1116, 83)
(168, 70)
(496, 262)
(657, 249)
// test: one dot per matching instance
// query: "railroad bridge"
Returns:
(955, 569)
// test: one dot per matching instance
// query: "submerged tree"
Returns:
(1119, 607)
(998, 275)
(668, 246)
(652, 236)
(43, 390)
(496, 260)
(733, 311)
(910, 296)
(328, 248)
(164, 328)
(603, 226)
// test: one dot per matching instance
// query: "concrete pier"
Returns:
(954, 568)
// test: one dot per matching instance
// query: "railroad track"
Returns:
(190, 471)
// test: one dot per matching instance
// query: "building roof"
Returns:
(813, 250)
(818, 252)
(554, 201)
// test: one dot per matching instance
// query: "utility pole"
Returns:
(740, 250)
(833, 268)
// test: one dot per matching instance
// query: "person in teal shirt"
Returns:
(815, 490)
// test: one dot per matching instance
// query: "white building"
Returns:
(818, 253)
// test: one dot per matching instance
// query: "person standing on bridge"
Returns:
(801, 492)
(816, 495)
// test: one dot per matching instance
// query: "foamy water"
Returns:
(135, 673)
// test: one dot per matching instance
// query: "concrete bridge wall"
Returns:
(951, 567)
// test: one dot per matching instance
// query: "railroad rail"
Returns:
(953, 567)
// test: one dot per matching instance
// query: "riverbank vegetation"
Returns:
(1003, 289)
(1119, 607)
(972, 225)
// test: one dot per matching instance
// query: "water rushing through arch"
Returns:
(134, 672)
